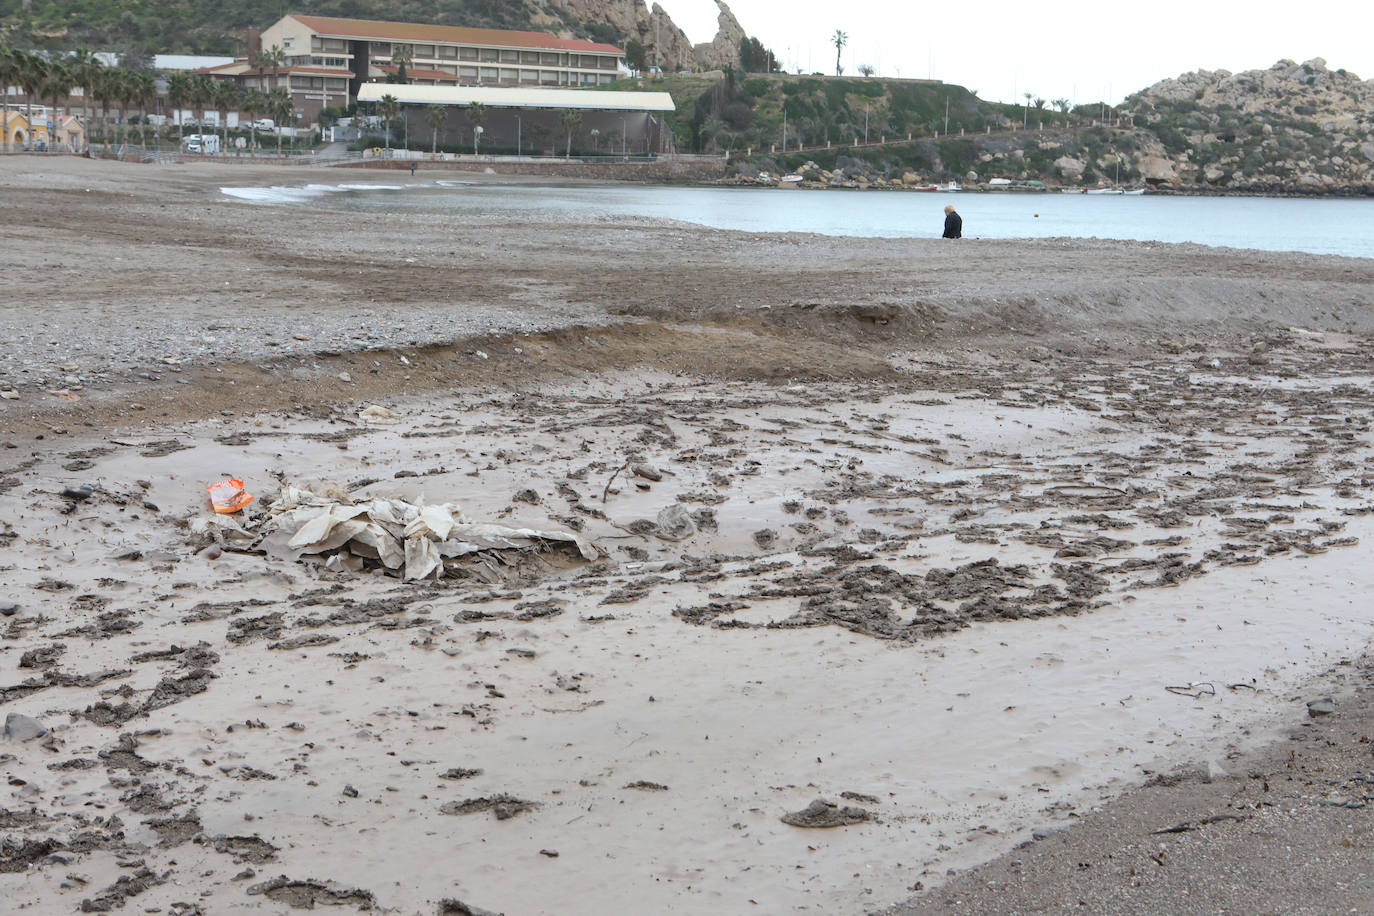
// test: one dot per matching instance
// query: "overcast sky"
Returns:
(1080, 52)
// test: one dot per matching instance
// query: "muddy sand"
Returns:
(856, 575)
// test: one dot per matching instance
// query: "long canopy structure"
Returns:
(493, 97)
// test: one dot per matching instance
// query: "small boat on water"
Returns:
(952, 186)
(1137, 192)
(1104, 191)
(790, 179)
(926, 187)
(1070, 190)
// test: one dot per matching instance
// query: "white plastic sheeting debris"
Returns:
(411, 539)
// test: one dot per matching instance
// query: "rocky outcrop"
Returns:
(1299, 127)
(723, 51)
(666, 44)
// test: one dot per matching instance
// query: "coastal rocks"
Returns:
(1070, 168)
(1157, 169)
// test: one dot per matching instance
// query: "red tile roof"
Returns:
(377, 30)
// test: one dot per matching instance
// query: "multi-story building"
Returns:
(327, 59)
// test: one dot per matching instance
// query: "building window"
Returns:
(424, 50)
(608, 63)
(549, 60)
(381, 47)
(489, 55)
(548, 78)
(529, 57)
(468, 73)
(529, 76)
(467, 53)
(510, 57)
(336, 62)
(488, 74)
(448, 52)
(288, 43)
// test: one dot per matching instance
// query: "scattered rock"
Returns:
(304, 895)
(19, 727)
(822, 813)
(452, 907)
(1324, 706)
(503, 806)
(674, 523)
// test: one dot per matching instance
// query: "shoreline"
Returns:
(674, 174)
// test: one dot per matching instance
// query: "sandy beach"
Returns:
(986, 577)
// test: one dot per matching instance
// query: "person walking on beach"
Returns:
(954, 224)
(412, 170)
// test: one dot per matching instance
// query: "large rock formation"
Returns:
(723, 50)
(1291, 127)
(666, 44)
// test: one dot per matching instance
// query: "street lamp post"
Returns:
(517, 135)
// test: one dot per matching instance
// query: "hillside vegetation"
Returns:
(145, 27)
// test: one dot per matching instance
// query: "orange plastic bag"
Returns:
(227, 496)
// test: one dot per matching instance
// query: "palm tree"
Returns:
(178, 94)
(388, 108)
(202, 97)
(1062, 105)
(144, 91)
(57, 85)
(435, 115)
(131, 94)
(273, 58)
(839, 40)
(253, 104)
(477, 113)
(104, 90)
(570, 119)
(86, 69)
(226, 97)
(1026, 114)
(280, 108)
(9, 65)
(33, 73)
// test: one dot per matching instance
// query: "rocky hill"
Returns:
(1291, 129)
(1293, 126)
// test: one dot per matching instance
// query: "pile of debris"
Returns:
(399, 538)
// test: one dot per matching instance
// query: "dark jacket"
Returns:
(954, 226)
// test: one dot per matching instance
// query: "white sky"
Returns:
(1081, 52)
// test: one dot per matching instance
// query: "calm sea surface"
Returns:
(1344, 227)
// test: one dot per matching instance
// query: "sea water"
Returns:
(1315, 225)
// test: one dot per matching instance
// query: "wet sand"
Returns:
(969, 544)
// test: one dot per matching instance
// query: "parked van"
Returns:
(202, 143)
(266, 125)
